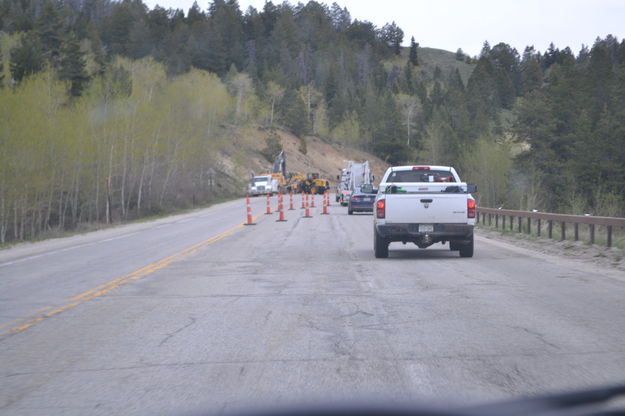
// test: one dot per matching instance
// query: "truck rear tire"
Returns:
(466, 250)
(380, 245)
(349, 212)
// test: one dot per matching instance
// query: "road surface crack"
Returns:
(538, 335)
(169, 336)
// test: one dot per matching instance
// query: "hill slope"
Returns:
(327, 158)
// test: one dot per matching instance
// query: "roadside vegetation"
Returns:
(111, 111)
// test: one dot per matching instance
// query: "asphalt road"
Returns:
(199, 313)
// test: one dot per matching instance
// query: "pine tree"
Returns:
(393, 36)
(413, 57)
(26, 59)
(460, 55)
(388, 131)
(295, 113)
(72, 66)
(49, 28)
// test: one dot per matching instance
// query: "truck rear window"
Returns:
(420, 176)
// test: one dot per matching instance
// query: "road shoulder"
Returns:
(611, 261)
(35, 248)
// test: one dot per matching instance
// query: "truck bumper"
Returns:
(410, 232)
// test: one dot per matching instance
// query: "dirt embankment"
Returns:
(322, 156)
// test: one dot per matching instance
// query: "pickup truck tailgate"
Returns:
(436, 208)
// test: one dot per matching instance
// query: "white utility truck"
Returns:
(262, 185)
(351, 179)
(424, 205)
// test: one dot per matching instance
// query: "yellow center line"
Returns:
(118, 282)
(38, 311)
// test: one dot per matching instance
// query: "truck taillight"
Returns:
(470, 208)
(380, 209)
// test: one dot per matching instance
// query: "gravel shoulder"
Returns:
(586, 255)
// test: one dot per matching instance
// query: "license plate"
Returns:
(367, 199)
(426, 228)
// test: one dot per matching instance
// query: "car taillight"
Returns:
(355, 198)
(380, 209)
(470, 208)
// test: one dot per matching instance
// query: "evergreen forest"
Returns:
(111, 111)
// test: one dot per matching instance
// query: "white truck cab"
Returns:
(424, 205)
(262, 185)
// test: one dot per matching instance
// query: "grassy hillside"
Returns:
(430, 58)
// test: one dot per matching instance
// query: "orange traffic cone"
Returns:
(268, 211)
(312, 196)
(280, 208)
(307, 213)
(249, 211)
(325, 203)
(291, 201)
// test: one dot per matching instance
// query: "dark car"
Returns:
(362, 201)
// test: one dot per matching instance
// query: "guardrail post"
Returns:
(529, 225)
(563, 230)
(592, 233)
(496, 220)
(538, 228)
(490, 219)
(503, 222)
(609, 236)
(550, 228)
(511, 222)
(576, 231)
(520, 225)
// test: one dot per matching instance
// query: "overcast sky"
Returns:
(466, 24)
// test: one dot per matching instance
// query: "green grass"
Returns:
(430, 58)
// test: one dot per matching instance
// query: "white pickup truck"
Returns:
(424, 205)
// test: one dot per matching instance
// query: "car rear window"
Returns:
(421, 176)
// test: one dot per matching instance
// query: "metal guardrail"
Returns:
(488, 215)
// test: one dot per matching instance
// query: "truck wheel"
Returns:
(466, 250)
(380, 245)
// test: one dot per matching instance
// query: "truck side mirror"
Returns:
(471, 188)
(338, 178)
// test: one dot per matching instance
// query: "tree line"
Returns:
(112, 110)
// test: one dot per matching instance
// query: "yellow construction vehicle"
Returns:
(296, 182)
(317, 185)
